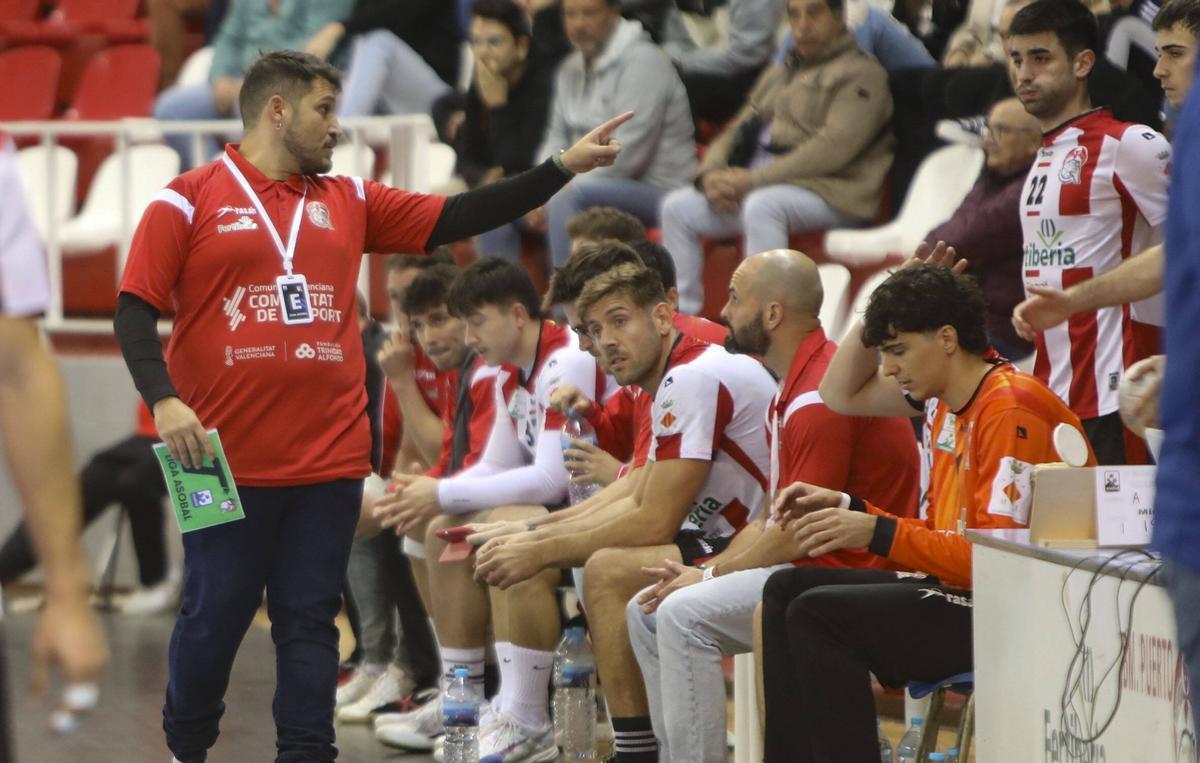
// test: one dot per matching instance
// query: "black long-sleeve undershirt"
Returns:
(489, 206)
(464, 215)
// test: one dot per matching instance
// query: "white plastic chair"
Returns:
(835, 282)
(941, 183)
(353, 161)
(748, 743)
(31, 163)
(98, 224)
(859, 305)
(195, 69)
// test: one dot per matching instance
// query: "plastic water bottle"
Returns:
(885, 747)
(460, 715)
(906, 751)
(575, 696)
(952, 755)
(578, 428)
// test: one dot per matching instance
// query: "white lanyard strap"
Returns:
(286, 254)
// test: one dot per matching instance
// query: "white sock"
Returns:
(526, 697)
(504, 665)
(471, 659)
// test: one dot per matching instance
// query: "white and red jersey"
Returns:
(480, 395)
(289, 400)
(711, 405)
(522, 461)
(1096, 195)
(24, 280)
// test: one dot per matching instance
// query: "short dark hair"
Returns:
(398, 262)
(428, 290)
(1070, 20)
(492, 281)
(658, 259)
(506, 12)
(1185, 12)
(584, 264)
(925, 298)
(599, 223)
(289, 74)
(637, 282)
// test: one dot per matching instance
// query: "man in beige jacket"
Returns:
(809, 151)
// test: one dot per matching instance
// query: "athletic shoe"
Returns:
(356, 686)
(417, 730)
(967, 131)
(389, 687)
(152, 600)
(508, 742)
(346, 671)
(406, 704)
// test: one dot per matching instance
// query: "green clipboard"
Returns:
(203, 496)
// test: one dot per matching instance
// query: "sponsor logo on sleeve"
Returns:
(1012, 490)
(242, 223)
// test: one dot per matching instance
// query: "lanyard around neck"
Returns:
(288, 253)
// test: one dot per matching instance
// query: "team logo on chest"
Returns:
(318, 215)
(1071, 171)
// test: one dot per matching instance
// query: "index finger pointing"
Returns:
(606, 129)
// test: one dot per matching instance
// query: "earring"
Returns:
(279, 125)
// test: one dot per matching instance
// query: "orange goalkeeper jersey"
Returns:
(980, 476)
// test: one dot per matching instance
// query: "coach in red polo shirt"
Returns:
(257, 253)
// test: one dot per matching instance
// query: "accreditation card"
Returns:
(205, 495)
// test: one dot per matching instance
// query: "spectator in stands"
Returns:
(616, 66)
(498, 130)
(922, 345)
(405, 55)
(1137, 278)
(249, 28)
(681, 626)
(125, 473)
(880, 34)
(692, 498)
(719, 78)
(1096, 195)
(810, 150)
(984, 229)
(168, 31)
(521, 467)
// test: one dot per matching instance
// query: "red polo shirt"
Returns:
(857, 455)
(289, 401)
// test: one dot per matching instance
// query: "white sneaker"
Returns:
(357, 687)
(506, 741)
(389, 687)
(162, 597)
(417, 730)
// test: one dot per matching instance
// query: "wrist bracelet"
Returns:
(558, 162)
(710, 572)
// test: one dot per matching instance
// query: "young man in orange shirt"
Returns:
(986, 426)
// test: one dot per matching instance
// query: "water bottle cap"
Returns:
(460, 673)
(952, 751)
(918, 721)
(934, 757)
(577, 632)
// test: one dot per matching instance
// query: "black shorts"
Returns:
(694, 547)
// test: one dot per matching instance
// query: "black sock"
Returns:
(635, 740)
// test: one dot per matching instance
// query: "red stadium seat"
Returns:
(19, 10)
(88, 11)
(31, 74)
(118, 82)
